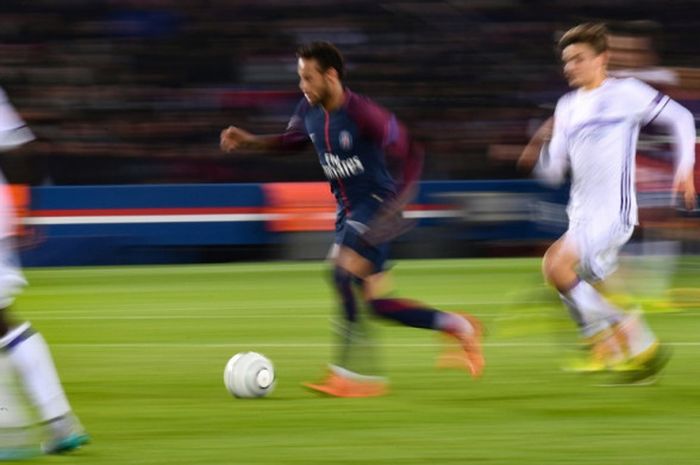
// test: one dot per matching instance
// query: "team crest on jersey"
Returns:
(345, 140)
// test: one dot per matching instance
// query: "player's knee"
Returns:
(378, 285)
(549, 266)
(343, 279)
(555, 268)
(559, 270)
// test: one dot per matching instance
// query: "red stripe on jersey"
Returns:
(327, 130)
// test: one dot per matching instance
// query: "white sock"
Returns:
(639, 336)
(590, 310)
(13, 406)
(452, 323)
(345, 373)
(29, 355)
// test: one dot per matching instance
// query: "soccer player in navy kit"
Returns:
(352, 135)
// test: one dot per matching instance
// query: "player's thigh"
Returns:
(378, 285)
(352, 261)
(598, 245)
(354, 253)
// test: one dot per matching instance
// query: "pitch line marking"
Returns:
(85, 315)
(309, 345)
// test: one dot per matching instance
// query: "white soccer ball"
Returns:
(249, 374)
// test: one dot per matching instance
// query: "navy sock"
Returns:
(343, 282)
(406, 312)
(357, 349)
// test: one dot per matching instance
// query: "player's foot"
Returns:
(645, 368)
(585, 365)
(605, 351)
(18, 443)
(336, 385)
(470, 357)
(11, 454)
(66, 434)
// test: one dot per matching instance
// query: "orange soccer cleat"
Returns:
(337, 385)
(470, 356)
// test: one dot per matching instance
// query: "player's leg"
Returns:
(590, 253)
(358, 348)
(355, 371)
(594, 317)
(463, 327)
(29, 355)
(645, 356)
(560, 267)
(366, 264)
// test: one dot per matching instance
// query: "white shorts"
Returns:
(11, 278)
(597, 245)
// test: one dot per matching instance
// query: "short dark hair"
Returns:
(593, 34)
(326, 54)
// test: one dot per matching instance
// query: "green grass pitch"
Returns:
(141, 352)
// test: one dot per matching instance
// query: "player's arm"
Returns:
(401, 146)
(234, 138)
(13, 131)
(653, 107)
(531, 153)
(546, 155)
(293, 138)
(680, 121)
(392, 136)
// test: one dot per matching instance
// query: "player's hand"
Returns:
(531, 152)
(685, 185)
(233, 138)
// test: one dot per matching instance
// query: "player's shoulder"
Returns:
(565, 100)
(355, 102)
(358, 103)
(367, 114)
(635, 92)
(303, 107)
(629, 85)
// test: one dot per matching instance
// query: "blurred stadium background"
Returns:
(136, 92)
(127, 98)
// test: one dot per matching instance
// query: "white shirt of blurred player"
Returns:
(595, 135)
(654, 75)
(13, 133)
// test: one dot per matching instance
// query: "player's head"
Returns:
(584, 51)
(321, 70)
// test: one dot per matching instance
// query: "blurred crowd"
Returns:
(136, 91)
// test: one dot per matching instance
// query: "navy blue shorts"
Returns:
(349, 230)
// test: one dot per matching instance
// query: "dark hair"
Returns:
(593, 34)
(326, 54)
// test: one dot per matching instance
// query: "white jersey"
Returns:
(13, 132)
(595, 136)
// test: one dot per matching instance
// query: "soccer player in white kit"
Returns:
(593, 136)
(25, 348)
